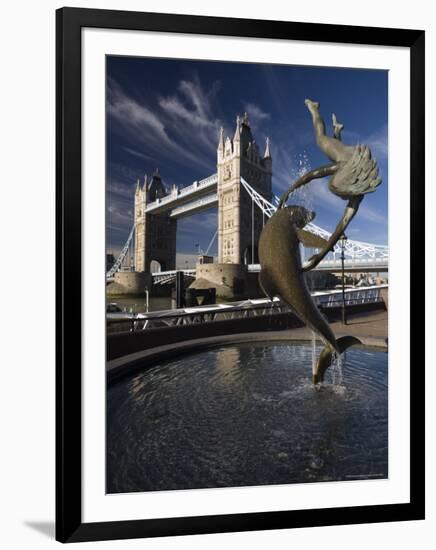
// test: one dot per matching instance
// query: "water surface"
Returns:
(247, 415)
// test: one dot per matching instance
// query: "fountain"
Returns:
(245, 414)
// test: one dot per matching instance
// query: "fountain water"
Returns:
(246, 414)
(303, 195)
(314, 352)
(336, 369)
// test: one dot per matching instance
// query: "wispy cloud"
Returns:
(120, 189)
(377, 141)
(256, 114)
(163, 128)
(190, 115)
(119, 208)
(371, 214)
(137, 153)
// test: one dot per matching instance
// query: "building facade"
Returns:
(155, 234)
(239, 220)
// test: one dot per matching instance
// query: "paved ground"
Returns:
(368, 326)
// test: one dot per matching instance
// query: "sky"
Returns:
(167, 114)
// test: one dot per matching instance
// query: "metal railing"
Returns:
(240, 310)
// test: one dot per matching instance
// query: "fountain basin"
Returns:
(246, 414)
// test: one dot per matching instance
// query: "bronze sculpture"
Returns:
(353, 174)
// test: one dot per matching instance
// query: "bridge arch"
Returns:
(156, 265)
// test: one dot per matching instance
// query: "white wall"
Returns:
(27, 243)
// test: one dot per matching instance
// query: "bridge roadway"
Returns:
(185, 201)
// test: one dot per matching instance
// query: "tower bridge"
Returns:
(241, 190)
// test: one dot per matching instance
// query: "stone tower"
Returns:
(155, 234)
(239, 223)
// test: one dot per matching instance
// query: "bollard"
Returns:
(179, 289)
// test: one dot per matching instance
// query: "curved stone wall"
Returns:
(129, 282)
(229, 279)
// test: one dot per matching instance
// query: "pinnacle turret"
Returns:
(221, 139)
(237, 135)
(267, 154)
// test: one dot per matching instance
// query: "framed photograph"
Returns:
(240, 235)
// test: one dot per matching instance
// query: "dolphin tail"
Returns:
(325, 357)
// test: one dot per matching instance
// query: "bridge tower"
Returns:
(239, 220)
(155, 234)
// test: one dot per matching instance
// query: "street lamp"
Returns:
(343, 240)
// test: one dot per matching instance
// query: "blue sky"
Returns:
(167, 114)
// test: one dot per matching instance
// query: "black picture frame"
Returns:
(69, 525)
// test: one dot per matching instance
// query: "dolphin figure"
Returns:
(282, 275)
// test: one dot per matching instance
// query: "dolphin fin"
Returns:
(310, 240)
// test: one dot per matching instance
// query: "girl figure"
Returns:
(354, 173)
(332, 147)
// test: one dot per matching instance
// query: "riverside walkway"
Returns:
(371, 328)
